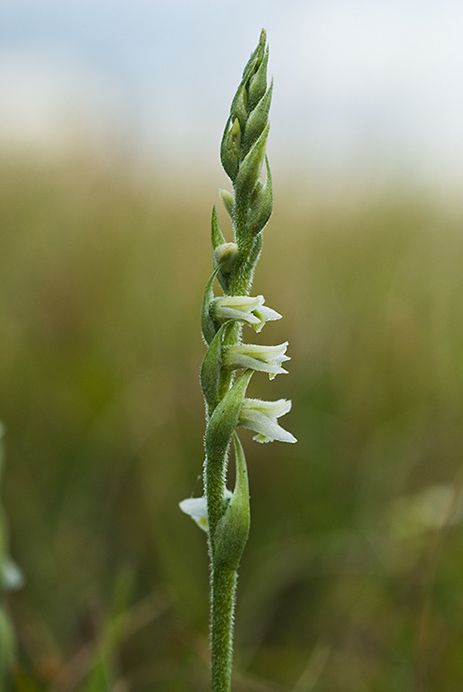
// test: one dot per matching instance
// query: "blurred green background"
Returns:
(351, 580)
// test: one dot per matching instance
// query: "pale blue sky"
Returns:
(361, 87)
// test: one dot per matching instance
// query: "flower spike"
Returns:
(225, 516)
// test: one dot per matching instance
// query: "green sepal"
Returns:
(231, 534)
(225, 418)
(230, 148)
(211, 370)
(238, 107)
(217, 237)
(209, 326)
(257, 121)
(258, 82)
(250, 167)
(261, 204)
(228, 200)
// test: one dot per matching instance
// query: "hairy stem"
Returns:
(222, 608)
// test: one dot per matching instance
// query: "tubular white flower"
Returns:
(196, 508)
(261, 416)
(244, 309)
(261, 358)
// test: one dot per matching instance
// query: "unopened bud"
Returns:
(258, 83)
(257, 120)
(230, 149)
(239, 106)
(251, 165)
(225, 256)
(261, 204)
(228, 201)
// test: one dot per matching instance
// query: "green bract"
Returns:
(223, 515)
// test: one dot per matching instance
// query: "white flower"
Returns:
(244, 309)
(11, 577)
(261, 416)
(196, 508)
(262, 358)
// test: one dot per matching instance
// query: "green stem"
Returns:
(215, 491)
(228, 534)
(245, 264)
(223, 602)
(223, 584)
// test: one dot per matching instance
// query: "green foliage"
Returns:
(10, 578)
(344, 585)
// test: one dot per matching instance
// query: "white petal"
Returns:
(283, 436)
(275, 409)
(244, 361)
(241, 303)
(195, 507)
(265, 315)
(263, 352)
(268, 429)
(225, 313)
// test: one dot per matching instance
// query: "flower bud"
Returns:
(230, 149)
(225, 255)
(249, 169)
(261, 203)
(228, 201)
(239, 106)
(257, 120)
(258, 82)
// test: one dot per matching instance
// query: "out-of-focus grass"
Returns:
(351, 579)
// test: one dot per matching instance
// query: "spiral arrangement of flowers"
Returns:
(225, 515)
